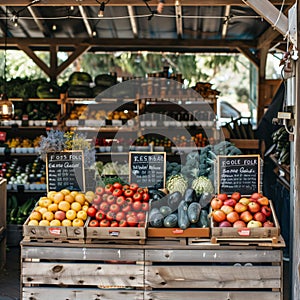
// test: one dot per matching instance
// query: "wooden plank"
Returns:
(228, 256)
(82, 253)
(3, 203)
(50, 293)
(207, 295)
(225, 277)
(108, 275)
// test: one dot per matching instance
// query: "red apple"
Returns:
(246, 216)
(230, 202)
(225, 224)
(216, 203)
(60, 215)
(218, 215)
(256, 195)
(232, 217)
(236, 196)
(222, 196)
(263, 201)
(227, 209)
(240, 207)
(259, 216)
(239, 224)
(268, 224)
(253, 207)
(266, 210)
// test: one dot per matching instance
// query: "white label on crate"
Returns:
(244, 231)
(55, 230)
(114, 233)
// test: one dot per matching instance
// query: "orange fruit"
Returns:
(78, 222)
(71, 214)
(55, 223)
(33, 223)
(85, 207)
(90, 196)
(53, 207)
(82, 215)
(69, 198)
(80, 198)
(58, 197)
(64, 205)
(66, 222)
(44, 223)
(76, 206)
(48, 215)
(35, 215)
(43, 210)
(74, 193)
(65, 192)
(51, 194)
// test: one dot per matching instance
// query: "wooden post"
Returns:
(295, 200)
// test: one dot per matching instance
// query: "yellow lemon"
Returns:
(66, 222)
(71, 214)
(85, 207)
(76, 206)
(64, 205)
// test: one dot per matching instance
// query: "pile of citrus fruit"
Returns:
(61, 208)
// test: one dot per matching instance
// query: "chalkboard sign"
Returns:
(239, 173)
(148, 169)
(65, 170)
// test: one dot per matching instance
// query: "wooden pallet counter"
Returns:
(157, 270)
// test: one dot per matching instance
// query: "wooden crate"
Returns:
(268, 234)
(59, 234)
(98, 234)
(177, 232)
(213, 274)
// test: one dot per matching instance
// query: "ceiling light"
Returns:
(160, 6)
(101, 10)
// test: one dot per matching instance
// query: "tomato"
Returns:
(110, 216)
(99, 190)
(100, 215)
(131, 213)
(94, 223)
(123, 223)
(120, 215)
(141, 216)
(117, 185)
(114, 224)
(146, 197)
(97, 199)
(91, 211)
(133, 186)
(129, 200)
(105, 196)
(111, 199)
(104, 206)
(104, 223)
(120, 200)
(132, 221)
(140, 190)
(109, 188)
(137, 197)
(128, 193)
(145, 206)
(137, 205)
(126, 207)
(125, 187)
(117, 192)
(114, 208)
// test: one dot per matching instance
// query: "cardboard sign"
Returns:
(238, 173)
(148, 169)
(65, 170)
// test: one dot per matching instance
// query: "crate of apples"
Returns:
(236, 215)
(118, 212)
(59, 214)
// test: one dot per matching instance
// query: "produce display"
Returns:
(19, 142)
(178, 209)
(239, 212)
(61, 208)
(117, 205)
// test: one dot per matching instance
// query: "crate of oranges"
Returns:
(59, 216)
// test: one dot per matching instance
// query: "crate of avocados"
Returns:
(243, 219)
(178, 216)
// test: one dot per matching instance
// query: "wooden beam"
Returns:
(135, 2)
(250, 56)
(226, 21)
(133, 22)
(178, 13)
(193, 44)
